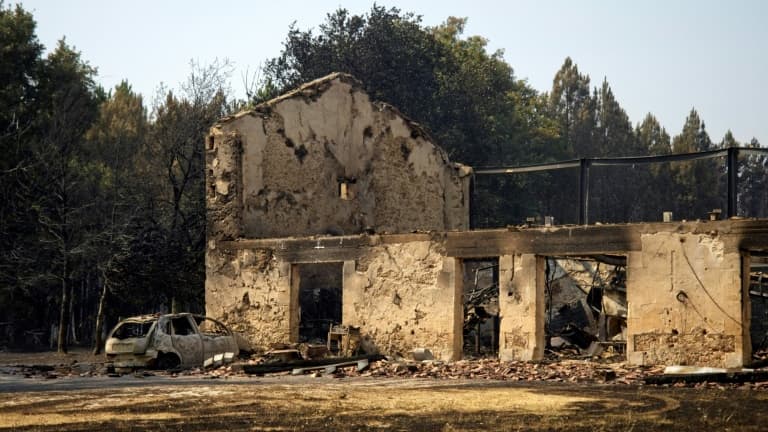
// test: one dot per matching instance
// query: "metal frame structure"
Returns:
(731, 154)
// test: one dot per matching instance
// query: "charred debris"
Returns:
(586, 306)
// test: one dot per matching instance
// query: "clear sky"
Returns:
(659, 56)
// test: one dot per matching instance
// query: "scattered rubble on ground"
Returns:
(583, 371)
(49, 371)
(594, 370)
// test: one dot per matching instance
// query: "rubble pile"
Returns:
(574, 371)
(578, 371)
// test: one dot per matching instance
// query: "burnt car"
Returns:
(170, 341)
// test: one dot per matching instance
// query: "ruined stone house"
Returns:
(325, 207)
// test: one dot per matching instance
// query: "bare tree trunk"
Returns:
(72, 317)
(63, 317)
(97, 342)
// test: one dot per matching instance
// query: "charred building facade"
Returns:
(327, 208)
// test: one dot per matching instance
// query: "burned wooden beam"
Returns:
(262, 369)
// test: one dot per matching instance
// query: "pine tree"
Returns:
(657, 194)
(753, 180)
(696, 182)
(573, 107)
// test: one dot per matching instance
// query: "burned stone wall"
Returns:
(521, 307)
(685, 297)
(325, 159)
(405, 296)
(224, 187)
(402, 294)
(250, 290)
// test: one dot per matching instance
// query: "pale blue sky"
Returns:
(663, 57)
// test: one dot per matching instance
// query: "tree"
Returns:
(20, 67)
(729, 141)
(613, 135)
(573, 107)
(753, 178)
(615, 190)
(55, 190)
(394, 57)
(653, 139)
(694, 137)
(113, 143)
(695, 182)
(658, 193)
(168, 246)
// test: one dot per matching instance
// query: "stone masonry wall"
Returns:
(684, 297)
(521, 307)
(402, 295)
(298, 150)
(224, 187)
(406, 296)
(250, 291)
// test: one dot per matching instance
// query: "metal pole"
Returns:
(472, 202)
(584, 191)
(733, 181)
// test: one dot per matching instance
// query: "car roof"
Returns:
(154, 317)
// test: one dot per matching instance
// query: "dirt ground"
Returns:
(76, 355)
(286, 403)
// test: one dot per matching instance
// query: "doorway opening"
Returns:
(481, 307)
(586, 306)
(320, 300)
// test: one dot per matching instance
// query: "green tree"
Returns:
(694, 137)
(614, 190)
(168, 240)
(573, 107)
(657, 194)
(20, 64)
(653, 139)
(20, 67)
(753, 180)
(113, 144)
(62, 203)
(613, 136)
(695, 182)
(388, 51)
(98, 199)
(729, 140)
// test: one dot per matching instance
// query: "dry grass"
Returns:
(366, 404)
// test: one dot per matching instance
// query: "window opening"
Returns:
(346, 191)
(181, 326)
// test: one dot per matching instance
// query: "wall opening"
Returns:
(320, 297)
(586, 306)
(758, 300)
(346, 188)
(481, 307)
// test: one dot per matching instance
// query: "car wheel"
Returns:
(168, 361)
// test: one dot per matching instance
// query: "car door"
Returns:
(186, 340)
(219, 345)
